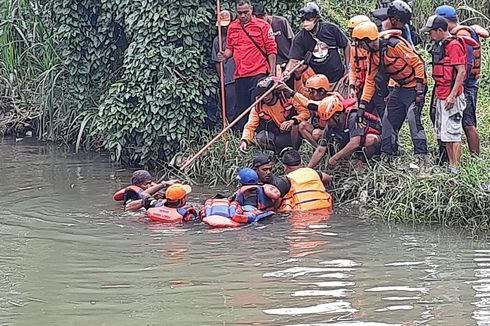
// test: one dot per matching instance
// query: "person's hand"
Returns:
(220, 57)
(332, 162)
(286, 75)
(243, 146)
(170, 182)
(420, 98)
(286, 125)
(360, 115)
(450, 100)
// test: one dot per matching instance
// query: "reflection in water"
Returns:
(71, 256)
(482, 287)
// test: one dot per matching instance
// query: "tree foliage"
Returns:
(130, 76)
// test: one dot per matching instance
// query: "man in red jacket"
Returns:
(250, 41)
(449, 73)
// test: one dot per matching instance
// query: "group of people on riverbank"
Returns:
(303, 88)
(379, 67)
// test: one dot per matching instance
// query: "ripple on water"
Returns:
(331, 307)
(347, 323)
(481, 286)
(301, 271)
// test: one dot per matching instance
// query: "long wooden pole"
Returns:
(221, 67)
(234, 122)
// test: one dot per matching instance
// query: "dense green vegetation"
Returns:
(133, 77)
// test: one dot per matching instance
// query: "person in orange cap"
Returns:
(175, 201)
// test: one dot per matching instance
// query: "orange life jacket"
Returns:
(307, 192)
(395, 67)
(166, 214)
(271, 116)
(119, 195)
(475, 64)
(360, 66)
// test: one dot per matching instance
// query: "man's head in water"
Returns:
(142, 179)
(291, 160)
(262, 164)
(176, 194)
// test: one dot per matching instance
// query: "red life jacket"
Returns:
(119, 195)
(223, 207)
(475, 64)
(166, 214)
(443, 73)
(373, 122)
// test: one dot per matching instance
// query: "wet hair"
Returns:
(243, 2)
(291, 157)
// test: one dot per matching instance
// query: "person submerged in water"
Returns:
(174, 204)
(252, 194)
(262, 164)
(141, 180)
(307, 191)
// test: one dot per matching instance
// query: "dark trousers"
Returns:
(469, 113)
(276, 142)
(401, 105)
(230, 93)
(245, 87)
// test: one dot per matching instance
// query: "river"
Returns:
(69, 255)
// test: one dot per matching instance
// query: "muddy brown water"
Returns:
(69, 255)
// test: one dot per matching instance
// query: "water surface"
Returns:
(69, 255)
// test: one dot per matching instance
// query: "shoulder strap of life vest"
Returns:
(470, 30)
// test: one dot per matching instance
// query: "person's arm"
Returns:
(317, 156)
(347, 56)
(457, 58)
(134, 205)
(214, 55)
(369, 85)
(353, 144)
(303, 114)
(343, 43)
(271, 59)
(296, 53)
(249, 129)
(325, 177)
(352, 71)
(270, 47)
(458, 82)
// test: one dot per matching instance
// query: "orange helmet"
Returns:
(329, 106)
(364, 30)
(356, 20)
(317, 82)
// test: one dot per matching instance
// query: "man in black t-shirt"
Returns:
(323, 40)
(282, 30)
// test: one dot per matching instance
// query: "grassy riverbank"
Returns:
(399, 194)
